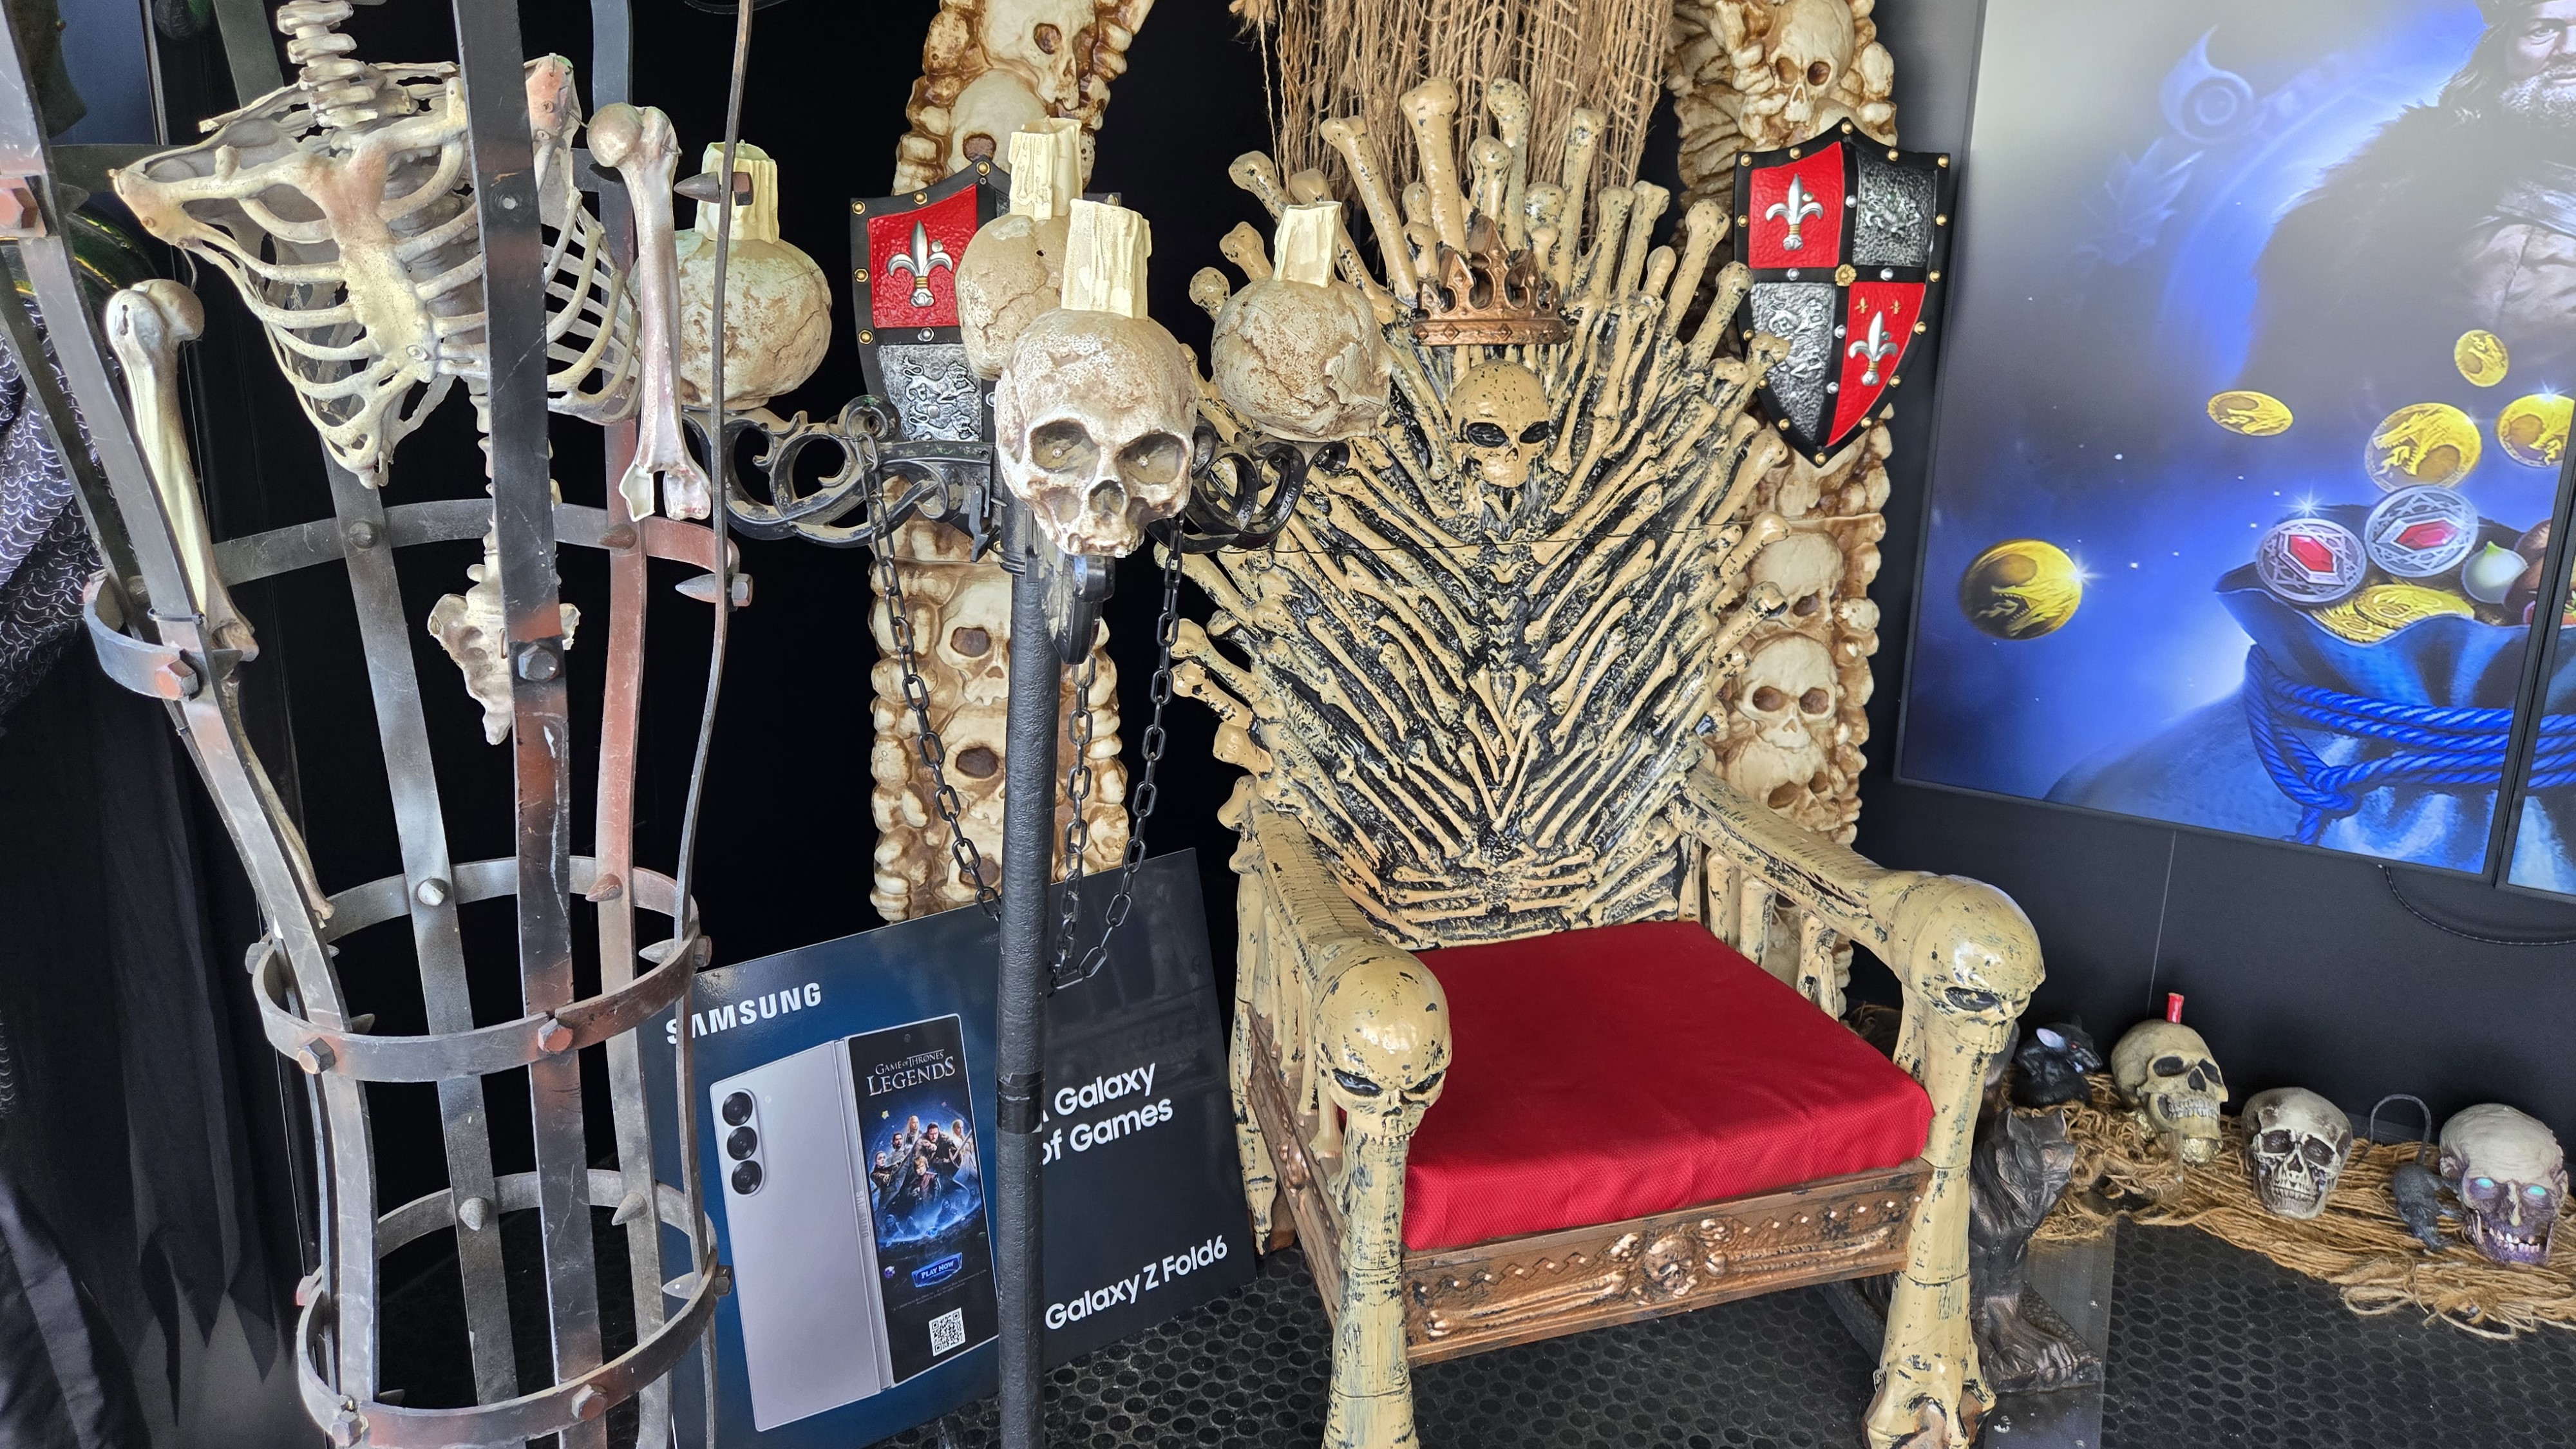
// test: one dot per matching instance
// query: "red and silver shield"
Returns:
(905, 250)
(1846, 240)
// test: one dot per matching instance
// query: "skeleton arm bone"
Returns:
(146, 324)
(640, 145)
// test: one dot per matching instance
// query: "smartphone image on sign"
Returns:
(925, 1191)
(804, 1261)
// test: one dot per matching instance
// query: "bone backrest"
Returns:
(1474, 666)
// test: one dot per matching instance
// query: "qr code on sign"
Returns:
(948, 1331)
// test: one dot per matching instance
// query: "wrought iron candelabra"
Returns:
(1239, 497)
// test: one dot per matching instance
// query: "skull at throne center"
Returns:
(1501, 422)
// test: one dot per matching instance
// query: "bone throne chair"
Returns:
(1535, 1026)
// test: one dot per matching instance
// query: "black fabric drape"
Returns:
(63, 1382)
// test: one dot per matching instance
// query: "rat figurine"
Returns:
(2053, 1063)
(2417, 1188)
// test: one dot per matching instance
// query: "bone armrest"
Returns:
(1331, 935)
(1367, 999)
(1376, 1033)
(1962, 950)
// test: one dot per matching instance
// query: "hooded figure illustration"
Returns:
(2456, 215)
(2453, 217)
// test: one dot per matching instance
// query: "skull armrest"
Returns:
(1375, 1022)
(1968, 961)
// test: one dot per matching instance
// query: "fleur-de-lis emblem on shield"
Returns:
(1845, 239)
(926, 256)
(1871, 348)
(1794, 208)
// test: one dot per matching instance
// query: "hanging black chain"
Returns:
(916, 694)
(1077, 833)
(1077, 830)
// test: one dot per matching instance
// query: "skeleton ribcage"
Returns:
(358, 250)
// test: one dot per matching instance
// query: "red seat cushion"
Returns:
(1606, 1074)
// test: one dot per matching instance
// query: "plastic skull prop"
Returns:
(2511, 1178)
(1094, 415)
(1805, 567)
(1501, 415)
(2296, 1145)
(1812, 45)
(977, 622)
(987, 111)
(1303, 361)
(1785, 696)
(1045, 43)
(2164, 1070)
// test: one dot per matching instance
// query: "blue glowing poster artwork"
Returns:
(2253, 416)
(925, 1189)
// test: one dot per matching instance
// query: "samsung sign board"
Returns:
(845, 1120)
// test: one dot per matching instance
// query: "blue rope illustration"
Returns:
(2433, 746)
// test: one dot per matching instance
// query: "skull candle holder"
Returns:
(2511, 1178)
(1013, 271)
(1094, 411)
(1298, 354)
(2296, 1146)
(2164, 1070)
(778, 307)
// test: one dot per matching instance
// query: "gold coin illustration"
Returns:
(2421, 443)
(2533, 429)
(2383, 609)
(2020, 589)
(2480, 356)
(2255, 414)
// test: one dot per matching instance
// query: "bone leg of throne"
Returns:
(1381, 1036)
(641, 146)
(1931, 1390)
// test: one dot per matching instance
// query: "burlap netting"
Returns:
(1355, 57)
(2358, 1243)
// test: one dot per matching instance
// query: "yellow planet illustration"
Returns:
(2020, 589)
(2421, 443)
(2480, 356)
(2533, 429)
(2255, 414)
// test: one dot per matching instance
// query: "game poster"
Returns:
(2252, 422)
(925, 1189)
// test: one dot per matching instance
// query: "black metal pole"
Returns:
(1028, 860)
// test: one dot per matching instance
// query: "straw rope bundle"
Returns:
(1354, 57)
(2358, 1243)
